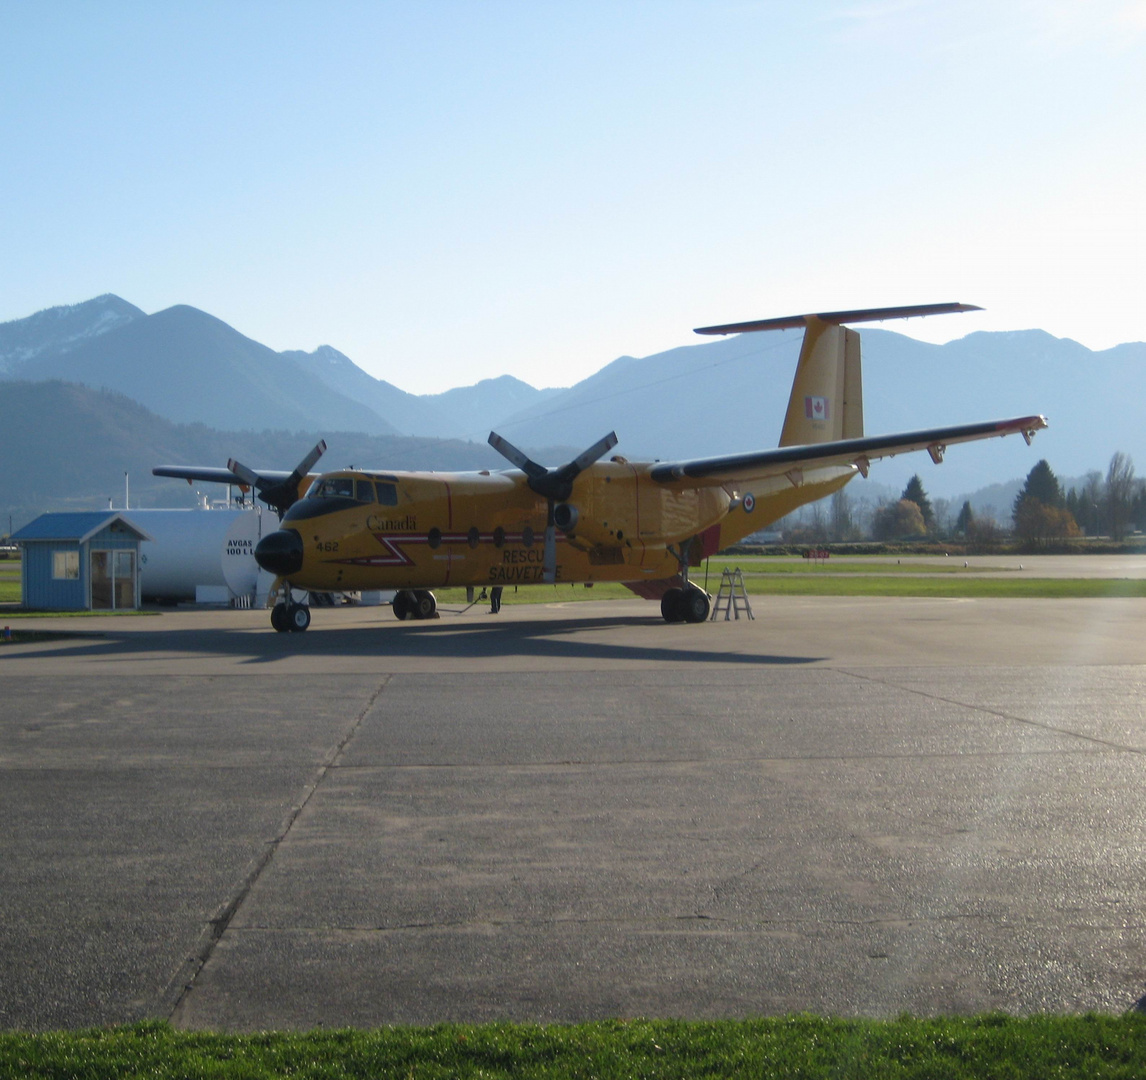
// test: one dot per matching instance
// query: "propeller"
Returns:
(554, 485)
(280, 494)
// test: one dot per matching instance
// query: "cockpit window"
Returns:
(332, 487)
(347, 487)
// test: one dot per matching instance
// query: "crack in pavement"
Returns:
(179, 988)
(1109, 744)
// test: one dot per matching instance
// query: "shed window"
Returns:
(66, 565)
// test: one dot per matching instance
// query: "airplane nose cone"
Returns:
(280, 552)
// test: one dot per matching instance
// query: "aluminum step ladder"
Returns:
(732, 597)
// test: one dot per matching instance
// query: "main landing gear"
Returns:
(291, 617)
(414, 604)
(689, 604)
(686, 603)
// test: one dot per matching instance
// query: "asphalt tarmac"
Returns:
(575, 811)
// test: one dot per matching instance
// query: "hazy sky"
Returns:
(448, 191)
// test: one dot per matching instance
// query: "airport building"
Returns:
(80, 561)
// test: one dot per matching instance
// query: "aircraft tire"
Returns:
(400, 605)
(298, 618)
(672, 606)
(425, 605)
(694, 605)
(278, 618)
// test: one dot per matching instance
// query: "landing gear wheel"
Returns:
(425, 606)
(672, 605)
(401, 604)
(279, 618)
(694, 605)
(298, 618)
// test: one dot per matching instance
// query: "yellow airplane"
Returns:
(640, 523)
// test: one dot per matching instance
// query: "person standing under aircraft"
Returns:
(495, 600)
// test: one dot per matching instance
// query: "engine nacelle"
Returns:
(584, 530)
(565, 517)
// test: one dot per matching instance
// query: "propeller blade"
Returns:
(304, 466)
(549, 560)
(555, 485)
(280, 494)
(515, 457)
(598, 450)
(248, 476)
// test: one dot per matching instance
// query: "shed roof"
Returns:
(80, 526)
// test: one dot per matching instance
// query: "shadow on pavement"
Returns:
(555, 639)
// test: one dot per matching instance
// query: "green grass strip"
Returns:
(843, 585)
(960, 587)
(855, 565)
(20, 613)
(944, 1048)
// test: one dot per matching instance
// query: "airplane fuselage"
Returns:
(421, 530)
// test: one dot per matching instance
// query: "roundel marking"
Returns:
(749, 503)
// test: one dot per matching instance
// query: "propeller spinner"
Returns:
(554, 485)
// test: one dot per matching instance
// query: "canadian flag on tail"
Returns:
(816, 408)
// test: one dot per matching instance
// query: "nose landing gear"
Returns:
(287, 615)
(293, 618)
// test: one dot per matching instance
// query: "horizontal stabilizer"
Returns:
(790, 322)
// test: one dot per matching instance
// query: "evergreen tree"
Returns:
(1138, 509)
(1041, 484)
(965, 519)
(914, 493)
(1073, 503)
(1088, 507)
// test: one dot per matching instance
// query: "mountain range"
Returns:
(191, 371)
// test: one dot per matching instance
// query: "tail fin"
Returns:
(827, 393)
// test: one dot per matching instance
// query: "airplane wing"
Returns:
(277, 489)
(214, 476)
(858, 452)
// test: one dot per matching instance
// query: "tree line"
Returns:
(1043, 515)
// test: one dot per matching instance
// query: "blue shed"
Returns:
(74, 562)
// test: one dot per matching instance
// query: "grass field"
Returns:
(764, 576)
(855, 564)
(808, 1047)
(9, 581)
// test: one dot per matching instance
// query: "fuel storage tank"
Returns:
(191, 548)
